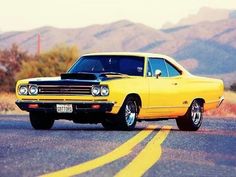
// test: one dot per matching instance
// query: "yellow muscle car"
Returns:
(119, 89)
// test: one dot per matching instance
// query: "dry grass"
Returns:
(230, 97)
(7, 104)
(227, 109)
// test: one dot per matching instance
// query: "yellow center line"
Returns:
(147, 157)
(117, 153)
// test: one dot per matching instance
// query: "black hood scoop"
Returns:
(79, 76)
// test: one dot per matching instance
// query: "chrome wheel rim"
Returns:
(196, 113)
(130, 113)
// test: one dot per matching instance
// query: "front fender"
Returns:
(121, 88)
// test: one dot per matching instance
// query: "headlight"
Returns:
(95, 90)
(104, 90)
(33, 90)
(23, 90)
(100, 90)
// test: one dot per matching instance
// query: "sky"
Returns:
(18, 15)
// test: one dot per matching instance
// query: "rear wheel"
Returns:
(40, 121)
(192, 120)
(128, 113)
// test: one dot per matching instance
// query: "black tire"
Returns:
(192, 120)
(40, 121)
(127, 116)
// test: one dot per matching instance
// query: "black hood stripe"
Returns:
(65, 82)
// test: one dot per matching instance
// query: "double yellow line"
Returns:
(140, 164)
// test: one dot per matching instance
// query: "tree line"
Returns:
(16, 64)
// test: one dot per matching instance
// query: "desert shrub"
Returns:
(51, 63)
(6, 107)
(10, 63)
(233, 87)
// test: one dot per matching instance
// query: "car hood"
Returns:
(75, 79)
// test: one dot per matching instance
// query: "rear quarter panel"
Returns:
(208, 89)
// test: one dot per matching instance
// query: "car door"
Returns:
(164, 95)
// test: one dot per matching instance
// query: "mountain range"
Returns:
(205, 14)
(205, 47)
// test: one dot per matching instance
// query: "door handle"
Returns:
(175, 83)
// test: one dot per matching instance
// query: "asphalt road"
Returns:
(152, 149)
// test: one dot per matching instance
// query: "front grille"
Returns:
(64, 90)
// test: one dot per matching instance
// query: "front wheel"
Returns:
(192, 120)
(128, 113)
(40, 121)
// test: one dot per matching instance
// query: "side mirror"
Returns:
(149, 74)
(157, 73)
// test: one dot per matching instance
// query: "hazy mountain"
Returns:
(119, 36)
(207, 48)
(205, 14)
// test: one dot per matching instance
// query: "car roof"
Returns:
(140, 54)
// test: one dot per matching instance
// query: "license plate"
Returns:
(64, 108)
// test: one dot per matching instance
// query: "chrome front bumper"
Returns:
(78, 106)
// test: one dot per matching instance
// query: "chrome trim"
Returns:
(220, 101)
(66, 85)
(64, 90)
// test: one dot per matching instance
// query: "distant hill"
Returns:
(118, 36)
(205, 14)
(205, 48)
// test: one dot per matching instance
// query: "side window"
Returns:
(172, 70)
(158, 63)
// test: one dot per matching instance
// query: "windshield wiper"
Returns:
(113, 73)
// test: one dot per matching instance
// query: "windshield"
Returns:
(130, 65)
